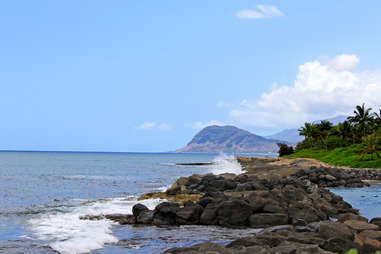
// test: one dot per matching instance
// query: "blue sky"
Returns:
(147, 75)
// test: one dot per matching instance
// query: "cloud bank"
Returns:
(261, 12)
(153, 126)
(322, 89)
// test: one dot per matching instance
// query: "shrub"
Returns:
(284, 149)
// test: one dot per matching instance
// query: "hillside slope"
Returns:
(228, 139)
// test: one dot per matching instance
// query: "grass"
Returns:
(344, 156)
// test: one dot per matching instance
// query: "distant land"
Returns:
(228, 139)
(292, 135)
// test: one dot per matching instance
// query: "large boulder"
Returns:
(306, 212)
(145, 217)
(138, 208)
(209, 214)
(189, 214)
(165, 213)
(234, 212)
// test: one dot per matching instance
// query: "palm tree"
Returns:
(377, 117)
(362, 117)
(322, 130)
(345, 130)
(370, 146)
(308, 131)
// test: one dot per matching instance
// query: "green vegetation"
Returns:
(355, 142)
(344, 156)
(284, 149)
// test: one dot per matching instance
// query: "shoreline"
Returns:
(286, 196)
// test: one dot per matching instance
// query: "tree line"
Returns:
(363, 128)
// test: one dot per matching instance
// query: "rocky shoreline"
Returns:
(286, 197)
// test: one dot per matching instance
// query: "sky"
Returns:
(146, 76)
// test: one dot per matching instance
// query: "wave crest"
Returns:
(226, 164)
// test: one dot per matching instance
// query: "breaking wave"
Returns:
(68, 234)
(226, 164)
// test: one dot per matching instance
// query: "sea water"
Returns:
(44, 194)
(367, 199)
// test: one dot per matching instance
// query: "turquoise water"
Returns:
(43, 194)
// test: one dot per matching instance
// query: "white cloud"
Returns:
(261, 12)
(153, 125)
(164, 126)
(320, 91)
(201, 125)
(344, 62)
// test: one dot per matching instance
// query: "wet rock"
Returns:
(92, 217)
(262, 220)
(165, 213)
(122, 219)
(138, 208)
(145, 217)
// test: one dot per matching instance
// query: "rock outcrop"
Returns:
(298, 213)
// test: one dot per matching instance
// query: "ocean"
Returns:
(43, 194)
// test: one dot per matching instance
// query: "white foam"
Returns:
(226, 164)
(67, 234)
(163, 188)
(88, 177)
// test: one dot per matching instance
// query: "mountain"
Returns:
(228, 139)
(292, 135)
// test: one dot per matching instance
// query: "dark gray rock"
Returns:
(145, 217)
(165, 214)
(190, 214)
(263, 220)
(138, 208)
(233, 213)
(330, 229)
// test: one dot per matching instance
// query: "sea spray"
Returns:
(67, 233)
(226, 164)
